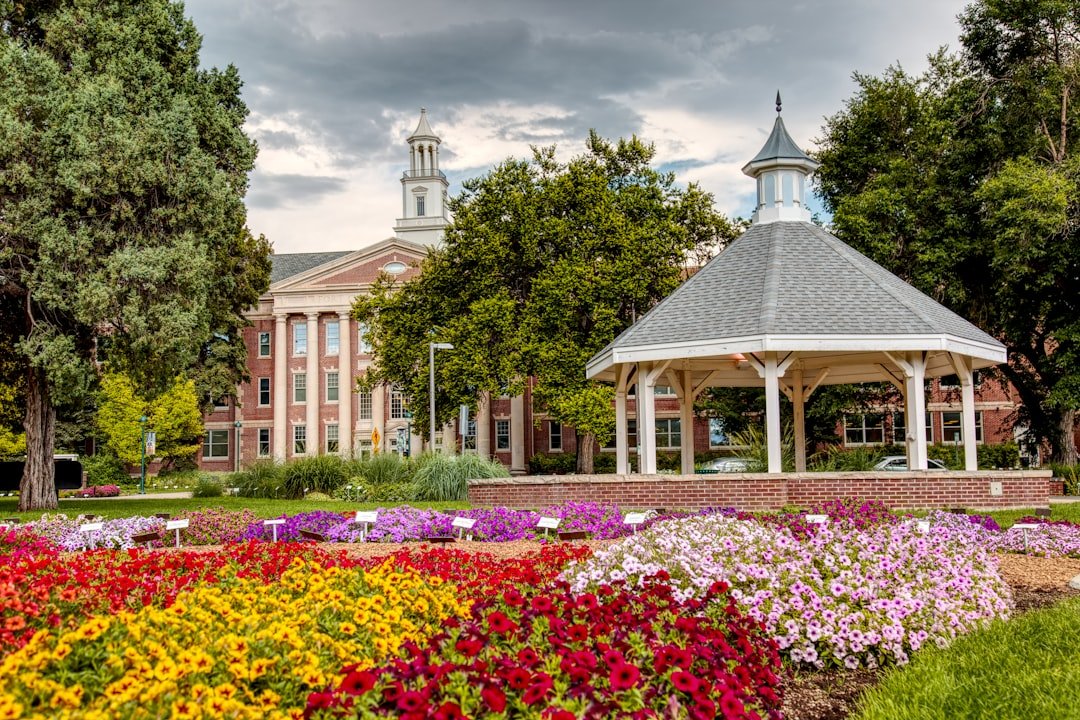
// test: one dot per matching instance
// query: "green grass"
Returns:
(263, 507)
(1025, 668)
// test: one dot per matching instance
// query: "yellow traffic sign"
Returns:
(375, 438)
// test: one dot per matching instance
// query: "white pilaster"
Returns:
(345, 384)
(517, 435)
(483, 425)
(962, 365)
(772, 413)
(281, 386)
(915, 382)
(314, 385)
(622, 448)
(686, 422)
(646, 414)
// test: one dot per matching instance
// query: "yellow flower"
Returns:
(9, 709)
(347, 628)
(185, 710)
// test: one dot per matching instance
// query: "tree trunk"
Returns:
(1063, 448)
(37, 491)
(585, 453)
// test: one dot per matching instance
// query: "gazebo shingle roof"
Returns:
(793, 278)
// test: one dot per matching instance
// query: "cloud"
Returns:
(269, 190)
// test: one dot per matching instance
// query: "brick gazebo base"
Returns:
(984, 489)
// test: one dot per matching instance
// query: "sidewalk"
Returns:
(148, 496)
(1064, 499)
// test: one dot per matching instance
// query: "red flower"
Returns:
(528, 657)
(494, 697)
(513, 598)
(613, 657)
(358, 683)
(624, 677)
(588, 601)
(470, 647)
(538, 690)
(411, 701)
(542, 604)
(577, 633)
(684, 682)
(561, 715)
(517, 678)
(499, 623)
(731, 706)
(448, 711)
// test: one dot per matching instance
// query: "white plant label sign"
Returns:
(548, 523)
(91, 527)
(464, 523)
(817, 519)
(366, 516)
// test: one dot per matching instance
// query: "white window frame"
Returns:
(267, 391)
(333, 438)
(665, 434)
(421, 205)
(335, 386)
(555, 434)
(397, 404)
(363, 405)
(268, 344)
(722, 432)
(299, 339)
(299, 433)
(957, 429)
(264, 448)
(502, 434)
(299, 385)
(220, 444)
(862, 428)
(333, 339)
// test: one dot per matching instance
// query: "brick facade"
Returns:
(753, 491)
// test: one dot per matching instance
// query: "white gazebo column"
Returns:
(915, 382)
(281, 386)
(517, 435)
(772, 413)
(962, 365)
(798, 404)
(345, 385)
(686, 421)
(646, 417)
(483, 425)
(314, 384)
(378, 416)
(622, 448)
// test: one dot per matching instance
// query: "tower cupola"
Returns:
(423, 188)
(782, 171)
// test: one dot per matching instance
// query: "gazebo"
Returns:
(789, 307)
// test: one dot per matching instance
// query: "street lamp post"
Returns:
(142, 452)
(236, 462)
(432, 347)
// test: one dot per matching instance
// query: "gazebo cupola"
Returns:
(781, 170)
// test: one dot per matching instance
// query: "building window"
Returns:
(364, 448)
(899, 431)
(299, 339)
(631, 436)
(299, 439)
(718, 436)
(502, 434)
(264, 344)
(420, 206)
(952, 427)
(554, 436)
(468, 438)
(264, 391)
(332, 438)
(264, 442)
(952, 382)
(864, 429)
(299, 388)
(331, 387)
(668, 433)
(221, 403)
(362, 339)
(397, 404)
(333, 337)
(215, 445)
(363, 402)
(664, 391)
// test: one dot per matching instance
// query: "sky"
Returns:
(335, 86)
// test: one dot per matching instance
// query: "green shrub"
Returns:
(1004, 455)
(263, 479)
(552, 464)
(105, 469)
(445, 477)
(1028, 667)
(835, 458)
(317, 497)
(1070, 474)
(206, 487)
(320, 473)
(385, 469)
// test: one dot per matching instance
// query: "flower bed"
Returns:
(841, 596)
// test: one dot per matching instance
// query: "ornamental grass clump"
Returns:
(238, 649)
(838, 597)
(550, 653)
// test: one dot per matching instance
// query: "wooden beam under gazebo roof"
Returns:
(790, 307)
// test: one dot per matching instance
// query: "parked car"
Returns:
(899, 462)
(729, 465)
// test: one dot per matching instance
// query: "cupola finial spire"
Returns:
(778, 104)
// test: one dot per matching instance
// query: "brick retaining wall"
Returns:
(760, 491)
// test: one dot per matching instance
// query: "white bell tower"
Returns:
(423, 189)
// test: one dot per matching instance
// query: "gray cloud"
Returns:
(270, 190)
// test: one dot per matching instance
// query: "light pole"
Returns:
(142, 452)
(432, 347)
(236, 462)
